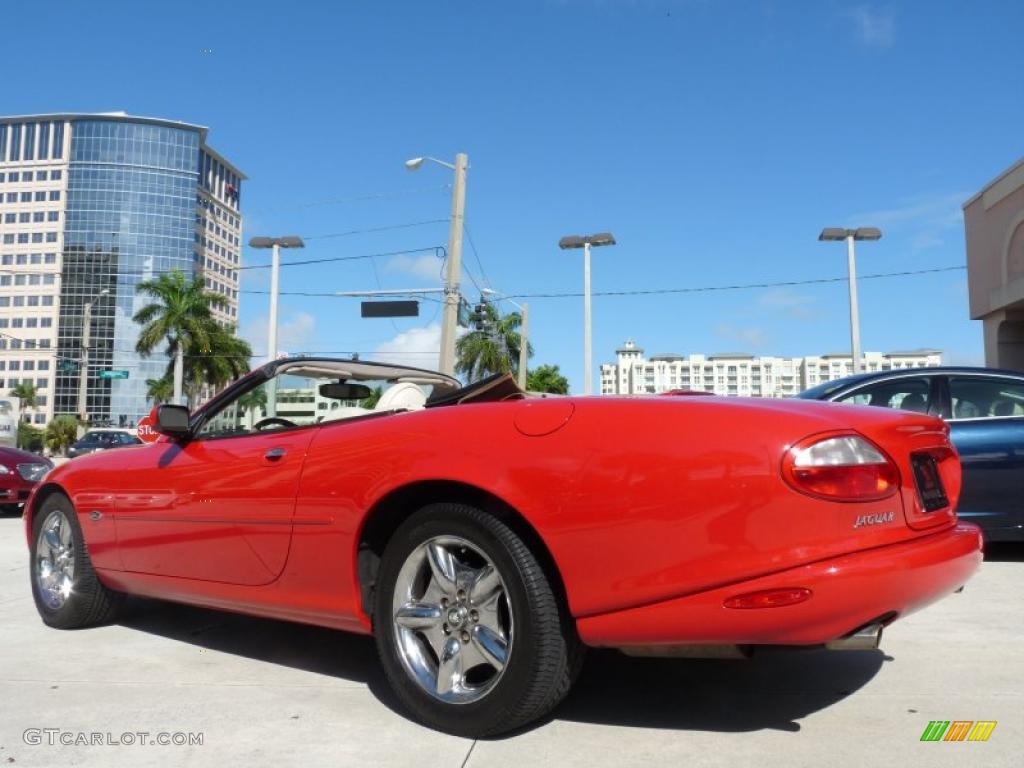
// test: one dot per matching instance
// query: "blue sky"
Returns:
(713, 139)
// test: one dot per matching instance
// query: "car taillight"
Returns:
(840, 468)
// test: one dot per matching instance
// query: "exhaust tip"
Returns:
(864, 639)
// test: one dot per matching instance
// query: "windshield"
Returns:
(100, 438)
(303, 397)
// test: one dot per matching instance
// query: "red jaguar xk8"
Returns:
(486, 537)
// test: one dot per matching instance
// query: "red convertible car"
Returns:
(486, 537)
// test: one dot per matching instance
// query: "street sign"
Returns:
(145, 429)
(391, 308)
(68, 366)
(113, 374)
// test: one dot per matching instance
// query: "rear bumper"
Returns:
(848, 592)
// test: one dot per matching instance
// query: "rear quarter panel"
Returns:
(636, 499)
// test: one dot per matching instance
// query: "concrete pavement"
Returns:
(269, 693)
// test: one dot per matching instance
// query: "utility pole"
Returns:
(453, 274)
(452, 297)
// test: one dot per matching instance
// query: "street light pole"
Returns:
(275, 276)
(851, 266)
(83, 373)
(275, 244)
(453, 274)
(588, 350)
(585, 242)
(835, 234)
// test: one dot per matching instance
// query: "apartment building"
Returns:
(742, 375)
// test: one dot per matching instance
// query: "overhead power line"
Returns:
(736, 287)
(472, 247)
(434, 248)
(334, 295)
(389, 228)
(657, 291)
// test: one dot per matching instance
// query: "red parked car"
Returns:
(486, 537)
(19, 473)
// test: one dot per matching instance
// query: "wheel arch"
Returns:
(39, 496)
(392, 509)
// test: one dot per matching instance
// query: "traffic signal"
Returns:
(478, 317)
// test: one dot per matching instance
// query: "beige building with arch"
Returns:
(994, 223)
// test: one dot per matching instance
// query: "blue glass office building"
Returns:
(137, 197)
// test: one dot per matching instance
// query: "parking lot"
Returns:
(269, 693)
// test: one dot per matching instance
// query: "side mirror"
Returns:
(172, 420)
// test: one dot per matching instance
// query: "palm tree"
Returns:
(251, 400)
(180, 316)
(160, 390)
(547, 378)
(61, 432)
(492, 349)
(373, 398)
(224, 359)
(26, 392)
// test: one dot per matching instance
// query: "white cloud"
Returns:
(926, 220)
(876, 28)
(294, 334)
(418, 347)
(751, 337)
(945, 209)
(427, 266)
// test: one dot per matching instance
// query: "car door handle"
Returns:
(274, 454)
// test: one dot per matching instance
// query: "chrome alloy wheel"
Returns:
(55, 560)
(452, 620)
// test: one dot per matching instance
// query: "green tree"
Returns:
(61, 432)
(29, 438)
(160, 390)
(26, 392)
(252, 401)
(180, 316)
(492, 349)
(224, 359)
(374, 398)
(547, 378)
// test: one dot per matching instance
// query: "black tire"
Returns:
(545, 653)
(90, 602)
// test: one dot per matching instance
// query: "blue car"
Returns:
(985, 411)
